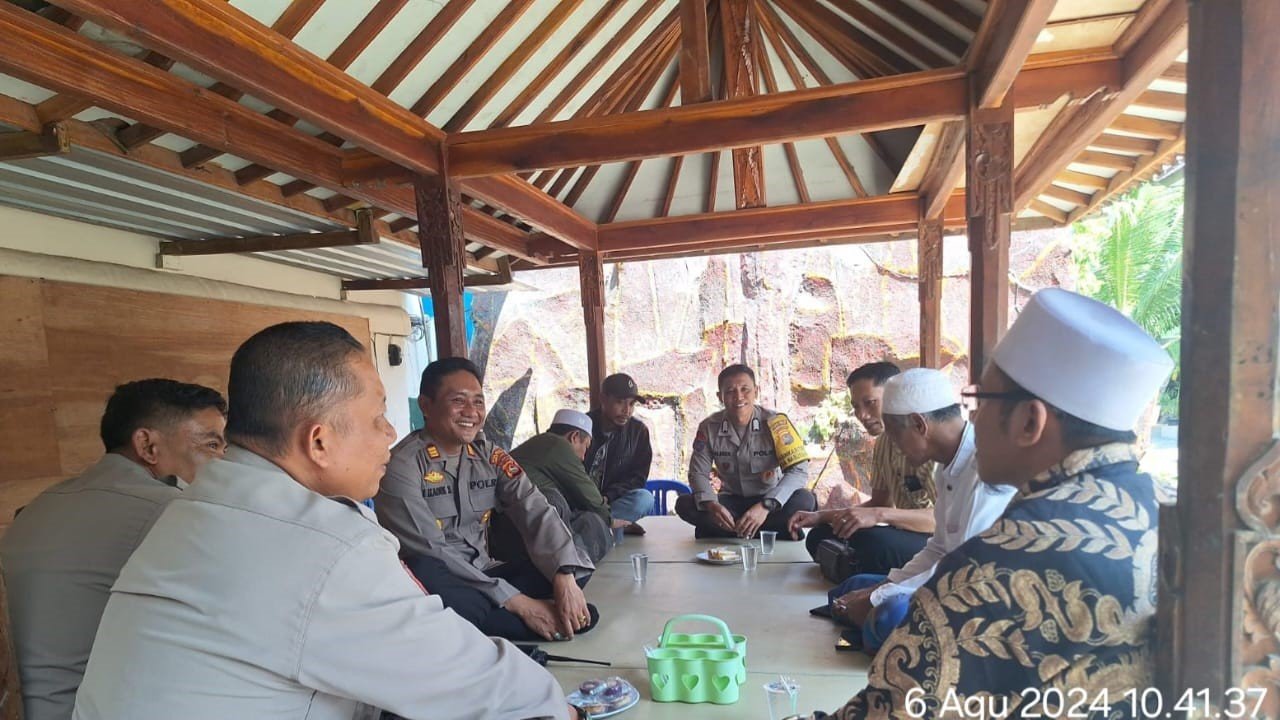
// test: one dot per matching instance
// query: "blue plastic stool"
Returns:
(660, 488)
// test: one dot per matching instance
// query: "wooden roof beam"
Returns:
(221, 41)
(883, 103)
(1003, 43)
(52, 140)
(364, 234)
(885, 213)
(695, 53)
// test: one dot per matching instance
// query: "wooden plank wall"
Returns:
(64, 347)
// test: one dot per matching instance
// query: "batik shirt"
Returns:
(1058, 594)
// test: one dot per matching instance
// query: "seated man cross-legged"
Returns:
(64, 551)
(922, 418)
(553, 462)
(440, 492)
(620, 454)
(889, 529)
(762, 463)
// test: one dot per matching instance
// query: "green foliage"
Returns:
(834, 411)
(1130, 257)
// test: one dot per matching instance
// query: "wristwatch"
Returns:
(771, 504)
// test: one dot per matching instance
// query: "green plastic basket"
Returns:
(698, 668)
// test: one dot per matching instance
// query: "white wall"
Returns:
(35, 245)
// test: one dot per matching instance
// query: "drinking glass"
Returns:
(767, 539)
(783, 695)
(618, 536)
(750, 557)
(639, 566)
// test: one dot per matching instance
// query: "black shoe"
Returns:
(822, 611)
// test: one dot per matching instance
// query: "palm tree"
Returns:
(1130, 257)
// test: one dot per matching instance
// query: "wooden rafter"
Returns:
(493, 32)
(1122, 180)
(621, 86)
(289, 24)
(1110, 161)
(771, 86)
(1082, 179)
(222, 41)
(1176, 102)
(916, 20)
(1124, 143)
(958, 13)
(1149, 56)
(1075, 197)
(593, 66)
(342, 57)
(47, 55)
(557, 64)
(67, 105)
(633, 168)
(883, 103)
(417, 49)
(1177, 72)
(791, 44)
(1146, 127)
(1053, 213)
(904, 44)
(512, 64)
(862, 55)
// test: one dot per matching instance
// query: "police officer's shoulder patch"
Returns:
(700, 441)
(433, 452)
(506, 464)
(788, 444)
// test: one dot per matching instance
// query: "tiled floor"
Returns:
(768, 605)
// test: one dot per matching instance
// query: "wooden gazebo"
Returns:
(373, 139)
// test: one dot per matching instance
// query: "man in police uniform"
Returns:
(761, 461)
(439, 493)
(267, 591)
(65, 550)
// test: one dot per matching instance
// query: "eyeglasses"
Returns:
(972, 395)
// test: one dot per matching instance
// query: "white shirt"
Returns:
(965, 507)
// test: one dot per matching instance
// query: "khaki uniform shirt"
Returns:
(254, 597)
(442, 510)
(889, 471)
(60, 558)
(747, 466)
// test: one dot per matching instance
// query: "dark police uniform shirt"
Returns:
(1058, 596)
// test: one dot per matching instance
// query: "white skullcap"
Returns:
(918, 390)
(573, 418)
(1084, 358)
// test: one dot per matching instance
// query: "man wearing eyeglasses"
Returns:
(1060, 592)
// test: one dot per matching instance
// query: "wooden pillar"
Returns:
(741, 59)
(591, 277)
(929, 262)
(444, 253)
(989, 196)
(1229, 461)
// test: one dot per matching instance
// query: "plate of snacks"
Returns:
(723, 555)
(605, 698)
